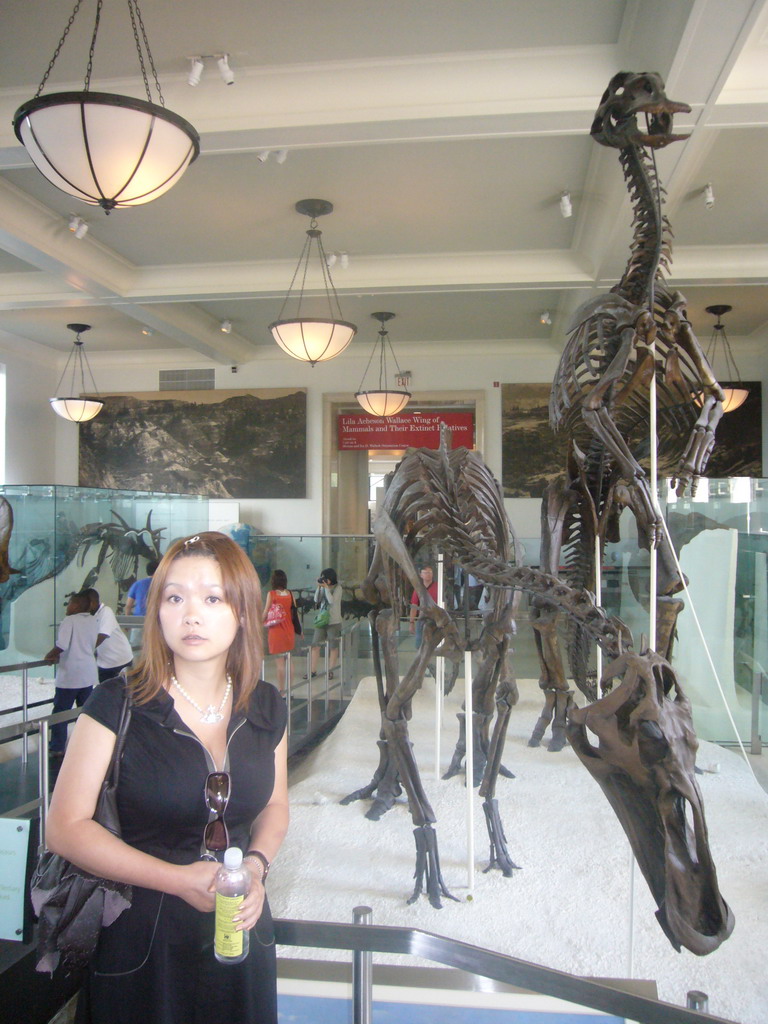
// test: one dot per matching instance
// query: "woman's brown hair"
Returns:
(279, 580)
(242, 592)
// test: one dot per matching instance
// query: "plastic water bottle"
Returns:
(232, 884)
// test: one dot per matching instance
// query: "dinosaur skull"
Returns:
(644, 762)
(628, 95)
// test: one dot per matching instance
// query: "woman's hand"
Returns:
(250, 909)
(197, 885)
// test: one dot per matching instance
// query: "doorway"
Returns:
(354, 478)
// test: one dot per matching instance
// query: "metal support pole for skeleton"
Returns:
(654, 485)
(599, 601)
(362, 975)
(439, 671)
(469, 721)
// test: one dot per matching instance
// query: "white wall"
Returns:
(43, 451)
(31, 426)
(450, 370)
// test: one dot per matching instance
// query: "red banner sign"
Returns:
(409, 430)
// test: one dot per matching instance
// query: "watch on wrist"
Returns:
(264, 862)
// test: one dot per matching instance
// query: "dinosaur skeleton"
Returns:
(617, 344)
(644, 760)
(452, 501)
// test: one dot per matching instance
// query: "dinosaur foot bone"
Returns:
(557, 704)
(429, 877)
(499, 856)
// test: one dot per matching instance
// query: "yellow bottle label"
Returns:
(228, 941)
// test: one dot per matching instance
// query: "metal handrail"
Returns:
(24, 667)
(24, 664)
(485, 963)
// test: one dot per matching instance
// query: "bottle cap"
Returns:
(233, 858)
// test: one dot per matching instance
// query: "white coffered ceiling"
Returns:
(443, 131)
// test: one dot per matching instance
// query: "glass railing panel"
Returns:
(722, 538)
(67, 538)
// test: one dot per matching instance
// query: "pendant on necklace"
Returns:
(211, 715)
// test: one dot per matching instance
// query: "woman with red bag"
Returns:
(281, 635)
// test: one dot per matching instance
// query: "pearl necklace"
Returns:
(210, 715)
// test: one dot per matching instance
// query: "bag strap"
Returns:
(113, 772)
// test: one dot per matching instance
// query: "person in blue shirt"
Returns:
(136, 602)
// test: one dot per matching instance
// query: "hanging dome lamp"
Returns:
(312, 339)
(382, 401)
(735, 392)
(76, 406)
(102, 148)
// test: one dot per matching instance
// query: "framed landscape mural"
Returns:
(532, 456)
(738, 447)
(217, 443)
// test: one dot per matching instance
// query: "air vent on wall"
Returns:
(187, 380)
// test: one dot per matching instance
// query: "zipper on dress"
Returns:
(208, 755)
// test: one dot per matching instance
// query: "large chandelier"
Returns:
(312, 339)
(74, 405)
(105, 149)
(381, 400)
(736, 396)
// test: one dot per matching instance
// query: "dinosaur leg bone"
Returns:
(601, 423)
(557, 695)
(427, 872)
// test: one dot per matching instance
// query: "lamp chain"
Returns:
(92, 47)
(54, 58)
(133, 5)
(137, 22)
(303, 265)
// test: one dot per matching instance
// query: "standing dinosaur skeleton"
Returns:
(645, 758)
(600, 398)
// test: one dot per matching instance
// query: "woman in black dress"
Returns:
(199, 709)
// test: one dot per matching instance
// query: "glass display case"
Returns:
(62, 539)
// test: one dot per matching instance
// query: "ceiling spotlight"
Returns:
(147, 331)
(196, 68)
(566, 207)
(77, 226)
(344, 260)
(226, 327)
(281, 155)
(709, 195)
(545, 318)
(263, 155)
(225, 70)
(331, 260)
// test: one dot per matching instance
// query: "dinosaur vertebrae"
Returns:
(651, 249)
(608, 632)
(454, 518)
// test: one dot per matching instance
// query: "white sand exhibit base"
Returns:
(569, 907)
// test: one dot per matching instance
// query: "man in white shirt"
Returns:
(113, 649)
(77, 674)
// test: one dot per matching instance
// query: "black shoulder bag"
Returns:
(295, 617)
(73, 906)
